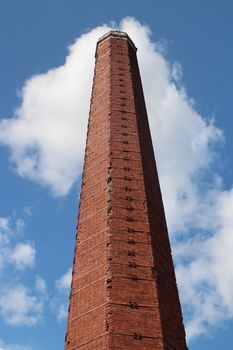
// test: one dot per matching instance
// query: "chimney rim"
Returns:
(117, 34)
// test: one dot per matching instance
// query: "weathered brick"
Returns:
(123, 293)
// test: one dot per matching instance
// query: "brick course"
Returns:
(123, 292)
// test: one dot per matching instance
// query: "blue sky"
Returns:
(46, 64)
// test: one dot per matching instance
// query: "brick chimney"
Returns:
(123, 292)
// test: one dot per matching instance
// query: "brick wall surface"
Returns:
(123, 292)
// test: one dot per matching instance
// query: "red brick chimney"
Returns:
(123, 292)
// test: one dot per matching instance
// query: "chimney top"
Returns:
(117, 34)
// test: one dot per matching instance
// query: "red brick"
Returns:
(123, 293)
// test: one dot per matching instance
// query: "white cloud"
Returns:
(47, 134)
(16, 253)
(40, 285)
(27, 211)
(19, 307)
(4, 224)
(23, 255)
(62, 312)
(65, 280)
(51, 121)
(204, 270)
(20, 225)
(4, 346)
(59, 301)
(183, 139)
